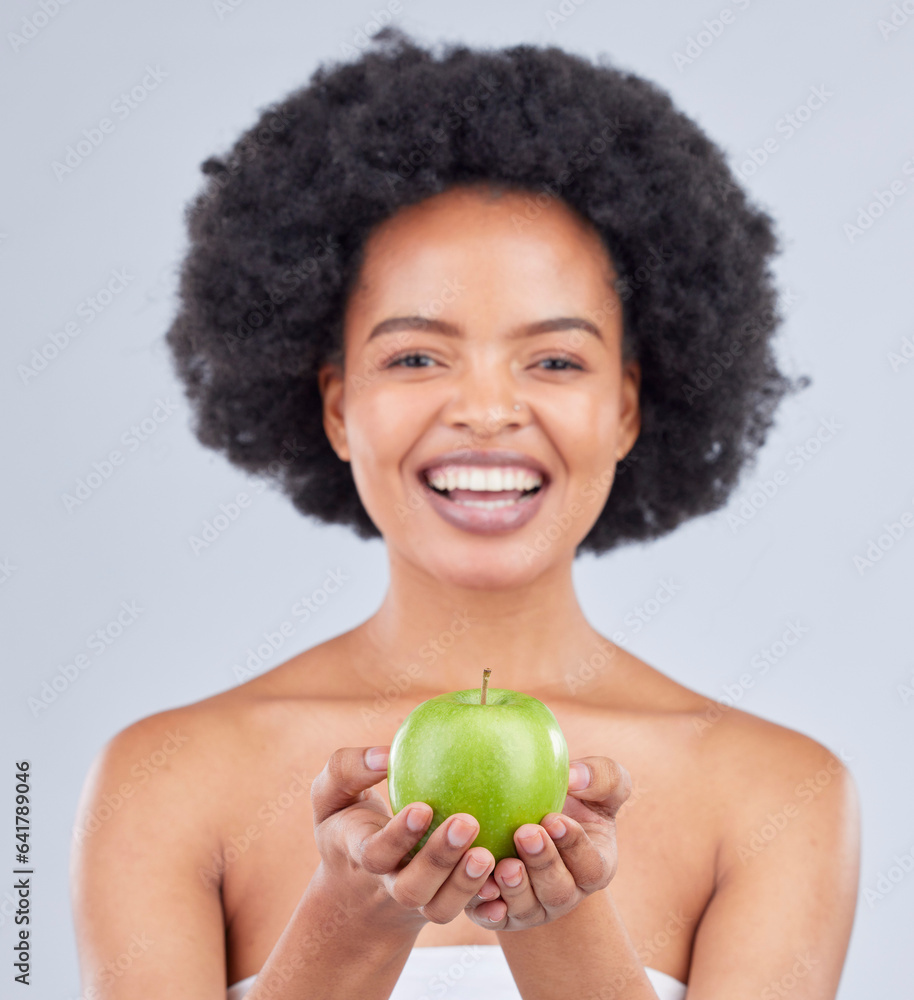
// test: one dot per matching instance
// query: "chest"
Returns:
(666, 846)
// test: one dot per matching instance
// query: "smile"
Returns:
(475, 508)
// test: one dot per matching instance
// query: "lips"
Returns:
(469, 516)
(480, 520)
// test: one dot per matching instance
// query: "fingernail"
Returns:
(475, 867)
(460, 833)
(557, 830)
(417, 819)
(579, 777)
(376, 758)
(532, 844)
(514, 879)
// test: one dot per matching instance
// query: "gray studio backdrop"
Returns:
(111, 612)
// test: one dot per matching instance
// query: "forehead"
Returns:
(493, 231)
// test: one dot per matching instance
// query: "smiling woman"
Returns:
(517, 330)
(496, 308)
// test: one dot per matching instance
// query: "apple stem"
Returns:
(485, 684)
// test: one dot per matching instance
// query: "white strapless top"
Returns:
(468, 972)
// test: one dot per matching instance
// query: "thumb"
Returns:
(600, 781)
(347, 774)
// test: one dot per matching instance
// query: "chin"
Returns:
(500, 568)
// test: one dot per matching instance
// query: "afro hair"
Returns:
(277, 234)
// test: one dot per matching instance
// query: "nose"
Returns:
(482, 407)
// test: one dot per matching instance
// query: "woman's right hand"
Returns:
(364, 849)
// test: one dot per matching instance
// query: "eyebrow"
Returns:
(449, 330)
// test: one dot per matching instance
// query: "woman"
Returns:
(496, 308)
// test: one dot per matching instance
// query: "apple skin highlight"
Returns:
(504, 762)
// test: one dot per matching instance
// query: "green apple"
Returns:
(496, 754)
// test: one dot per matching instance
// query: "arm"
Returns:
(147, 925)
(147, 905)
(150, 925)
(782, 910)
(353, 930)
(560, 924)
(335, 945)
(589, 947)
(785, 890)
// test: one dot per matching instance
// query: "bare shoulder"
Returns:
(784, 811)
(777, 786)
(754, 778)
(194, 751)
(741, 749)
(216, 736)
(772, 757)
(149, 821)
(171, 756)
(164, 800)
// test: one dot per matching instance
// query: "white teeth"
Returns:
(488, 479)
(488, 504)
(478, 479)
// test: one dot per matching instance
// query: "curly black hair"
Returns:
(276, 241)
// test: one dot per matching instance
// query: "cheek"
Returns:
(380, 430)
(585, 428)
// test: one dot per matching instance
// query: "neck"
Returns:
(440, 636)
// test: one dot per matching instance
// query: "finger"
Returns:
(380, 844)
(416, 884)
(588, 866)
(491, 915)
(551, 885)
(344, 777)
(526, 903)
(600, 780)
(487, 892)
(521, 905)
(470, 873)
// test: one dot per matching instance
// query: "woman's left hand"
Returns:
(576, 855)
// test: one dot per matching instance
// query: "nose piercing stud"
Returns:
(517, 406)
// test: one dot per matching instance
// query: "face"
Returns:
(454, 320)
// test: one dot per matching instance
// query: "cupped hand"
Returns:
(561, 860)
(361, 843)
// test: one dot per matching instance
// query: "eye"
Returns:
(398, 359)
(567, 362)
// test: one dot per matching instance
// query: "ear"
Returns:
(630, 412)
(331, 382)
